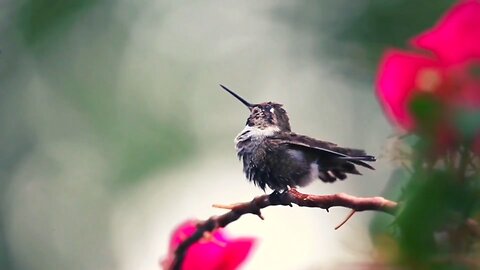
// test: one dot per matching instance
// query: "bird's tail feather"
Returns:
(360, 160)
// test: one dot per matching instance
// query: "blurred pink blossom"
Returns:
(445, 63)
(215, 252)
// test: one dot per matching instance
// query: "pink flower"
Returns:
(455, 39)
(214, 252)
(446, 65)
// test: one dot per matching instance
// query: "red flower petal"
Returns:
(400, 75)
(183, 231)
(236, 252)
(207, 255)
(214, 252)
(456, 37)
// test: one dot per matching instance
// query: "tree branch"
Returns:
(357, 204)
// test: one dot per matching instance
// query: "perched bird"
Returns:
(276, 157)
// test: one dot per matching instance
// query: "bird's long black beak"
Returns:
(246, 103)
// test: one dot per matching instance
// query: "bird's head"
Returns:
(265, 118)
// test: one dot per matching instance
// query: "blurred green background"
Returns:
(114, 130)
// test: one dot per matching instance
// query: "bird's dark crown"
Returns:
(268, 114)
(264, 115)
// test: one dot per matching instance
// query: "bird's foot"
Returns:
(276, 197)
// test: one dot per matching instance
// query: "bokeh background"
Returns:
(113, 128)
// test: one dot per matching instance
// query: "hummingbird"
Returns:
(274, 156)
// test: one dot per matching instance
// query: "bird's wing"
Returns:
(324, 149)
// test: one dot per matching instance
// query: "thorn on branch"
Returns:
(223, 206)
(346, 219)
(259, 214)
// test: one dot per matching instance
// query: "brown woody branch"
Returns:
(289, 197)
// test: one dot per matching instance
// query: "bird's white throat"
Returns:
(253, 132)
